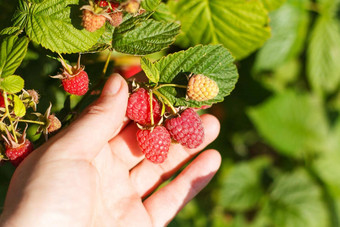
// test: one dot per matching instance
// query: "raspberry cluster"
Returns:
(158, 125)
(98, 12)
(14, 146)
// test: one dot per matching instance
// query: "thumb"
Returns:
(101, 120)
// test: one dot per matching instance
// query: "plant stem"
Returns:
(30, 121)
(3, 118)
(65, 64)
(151, 108)
(106, 64)
(166, 100)
(169, 85)
(9, 116)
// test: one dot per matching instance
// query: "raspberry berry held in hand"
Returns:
(74, 79)
(187, 129)
(176, 94)
(154, 143)
(139, 110)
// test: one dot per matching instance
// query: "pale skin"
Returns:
(93, 173)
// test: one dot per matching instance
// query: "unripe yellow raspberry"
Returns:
(202, 88)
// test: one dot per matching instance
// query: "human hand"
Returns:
(94, 174)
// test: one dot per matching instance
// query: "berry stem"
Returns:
(106, 64)
(66, 66)
(169, 85)
(30, 121)
(151, 108)
(9, 116)
(3, 118)
(165, 100)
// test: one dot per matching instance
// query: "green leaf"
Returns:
(19, 107)
(36, 1)
(241, 189)
(56, 25)
(150, 70)
(20, 16)
(289, 29)
(294, 201)
(150, 5)
(213, 61)
(324, 56)
(9, 30)
(240, 25)
(295, 125)
(12, 52)
(272, 4)
(12, 84)
(163, 13)
(327, 164)
(104, 41)
(138, 37)
(328, 8)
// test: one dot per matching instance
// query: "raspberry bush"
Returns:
(280, 127)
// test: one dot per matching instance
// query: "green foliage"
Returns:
(12, 52)
(213, 61)
(324, 55)
(294, 201)
(242, 186)
(150, 5)
(327, 165)
(163, 13)
(272, 4)
(294, 124)
(144, 37)
(150, 70)
(19, 107)
(240, 25)
(51, 26)
(290, 26)
(12, 84)
(9, 30)
(20, 16)
(280, 128)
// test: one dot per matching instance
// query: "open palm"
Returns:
(94, 174)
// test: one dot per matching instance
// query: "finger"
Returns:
(165, 203)
(146, 176)
(99, 122)
(125, 146)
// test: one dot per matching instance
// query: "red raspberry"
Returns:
(114, 6)
(187, 129)
(154, 143)
(102, 3)
(129, 71)
(18, 153)
(138, 108)
(2, 101)
(77, 84)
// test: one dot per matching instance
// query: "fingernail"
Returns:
(113, 85)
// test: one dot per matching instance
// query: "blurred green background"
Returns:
(280, 127)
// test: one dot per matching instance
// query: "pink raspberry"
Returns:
(154, 143)
(187, 129)
(138, 108)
